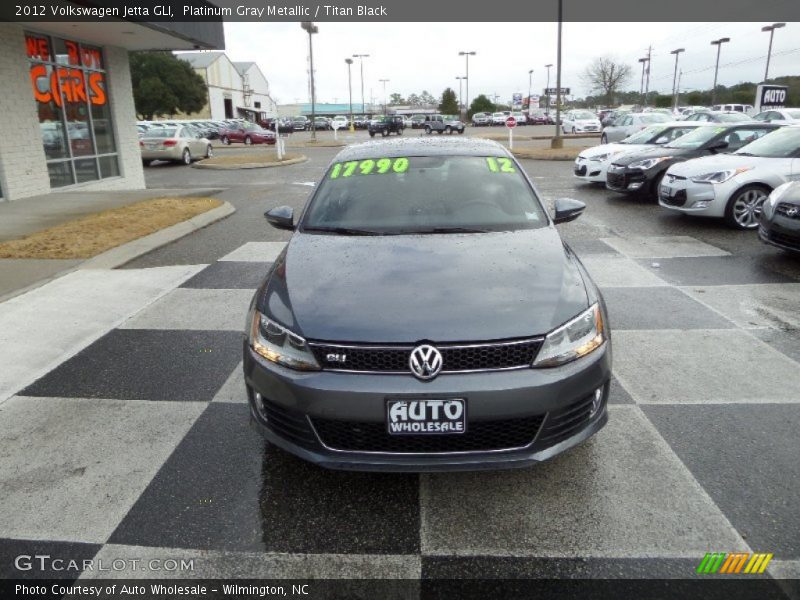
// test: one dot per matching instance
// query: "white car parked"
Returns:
(734, 186)
(580, 121)
(591, 165)
(499, 118)
(779, 115)
(630, 124)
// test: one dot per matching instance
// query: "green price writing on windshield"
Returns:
(368, 166)
(500, 165)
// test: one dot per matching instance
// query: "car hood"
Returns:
(719, 162)
(659, 151)
(440, 288)
(613, 148)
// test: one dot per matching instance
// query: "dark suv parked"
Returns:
(386, 125)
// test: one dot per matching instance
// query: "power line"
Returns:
(735, 63)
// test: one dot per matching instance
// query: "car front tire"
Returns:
(603, 139)
(209, 151)
(186, 157)
(428, 130)
(744, 207)
(225, 140)
(248, 141)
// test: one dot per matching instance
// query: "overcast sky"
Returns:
(424, 56)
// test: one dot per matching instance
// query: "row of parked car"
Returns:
(533, 117)
(186, 141)
(740, 171)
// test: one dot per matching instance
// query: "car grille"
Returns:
(679, 199)
(566, 422)
(782, 239)
(289, 424)
(455, 357)
(783, 208)
(356, 436)
(616, 180)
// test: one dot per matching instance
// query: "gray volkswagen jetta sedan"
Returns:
(426, 316)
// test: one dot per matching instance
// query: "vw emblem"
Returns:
(791, 212)
(425, 362)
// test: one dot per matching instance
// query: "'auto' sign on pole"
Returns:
(771, 96)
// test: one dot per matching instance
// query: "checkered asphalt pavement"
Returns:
(138, 444)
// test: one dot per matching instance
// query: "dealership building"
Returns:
(68, 112)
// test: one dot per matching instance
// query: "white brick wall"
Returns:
(23, 170)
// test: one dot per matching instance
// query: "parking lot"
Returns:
(148, 423)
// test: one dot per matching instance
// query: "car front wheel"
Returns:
(225, 140)
(744, 208)
(371, 134)
(427, 130)
(248, 141)
(448, 129)
(186, 158)
(603, 139)
(209, 151)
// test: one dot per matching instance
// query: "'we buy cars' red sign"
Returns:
(66, 84)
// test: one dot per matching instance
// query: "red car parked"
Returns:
(247, 133)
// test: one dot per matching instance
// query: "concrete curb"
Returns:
(116, 257)
(253, 165)
(523, 154)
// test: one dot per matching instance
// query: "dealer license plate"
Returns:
(426, 417)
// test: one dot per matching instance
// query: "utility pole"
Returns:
(460, 97)
(311, 29)
(718, 43)
(647, 83)
(675, 78)
(467, 54)
(361, 58)
(384, 81)
(641, 84)
(530, 82)
(558, 141)
(349, 62)
(547, 87)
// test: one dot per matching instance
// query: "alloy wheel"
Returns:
(747, 207)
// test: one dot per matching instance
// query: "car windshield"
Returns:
(782, 143)
(498, 114)
(161, 132)
(732, 117)
(424, 194)
(583, 115)
(795, 114)
(655, 117)
(644, 136)
(697, 138)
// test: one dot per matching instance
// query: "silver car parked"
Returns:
(629, 124)
(182, 143)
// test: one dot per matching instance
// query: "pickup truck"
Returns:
(386, 125)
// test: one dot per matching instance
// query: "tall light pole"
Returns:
(384, 82)
(361, 58)
(311, 29)
(467, 54)
(349, 62)
(530, 82)
(718, 43)
(546, 93)
(558, 141)
(676, 52)
(771, 29)
(460, 97)
(641, 85)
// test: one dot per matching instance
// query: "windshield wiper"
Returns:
(452, 230)
(343, 230)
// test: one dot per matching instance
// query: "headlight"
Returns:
(279, 345)
(648, 163)
(580, 336)
(719, 176)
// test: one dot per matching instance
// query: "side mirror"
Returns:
(567, 210)
(719, 145)
(281, 217)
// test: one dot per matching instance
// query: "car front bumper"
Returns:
(781, 232)
(703, 199)
(590, 170)
(629, 181)
(296, 411)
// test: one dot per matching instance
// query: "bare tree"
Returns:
(606, 75)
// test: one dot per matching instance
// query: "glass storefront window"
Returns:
(69, 86)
